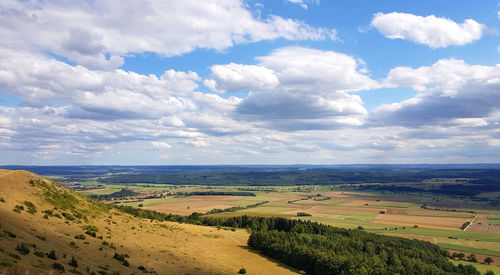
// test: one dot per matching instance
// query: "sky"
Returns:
(179, 82)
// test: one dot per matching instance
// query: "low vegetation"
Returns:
(216, 193)
(31, 207)
(235, 208)
(125, 192)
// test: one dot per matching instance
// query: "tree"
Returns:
(58, 266)
(489, 272)
(23, 248)
(73, 262)
(472, 258)
(461, 256)
(52, 255)
(242, 271)
(488, 260)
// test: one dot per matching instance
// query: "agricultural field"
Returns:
(434, 218)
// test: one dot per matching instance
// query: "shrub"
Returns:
(72, 244)
(381, 212)
(52, 255)
(73, 262)
(78, 215)
(80, 237)
(90, 230)
(31, 207)
(18, 208)
(242, 271)
(39, 253)
(2, 199)
(361, 228)
(41, 237)
(10, 234)
(141, 267)
(120, 257)
(125, 262)
(302, 214)
(15, 256)
(68, 216)
(23, 248)
(58, 266)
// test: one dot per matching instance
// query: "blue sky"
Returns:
(249, 82)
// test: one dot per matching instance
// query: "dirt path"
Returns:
(471, 222)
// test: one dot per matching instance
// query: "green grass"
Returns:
(345, 223)
(381, 204)
(481, 267)
(431, 232)
(362, 217)
(470, 249)
(493, 221)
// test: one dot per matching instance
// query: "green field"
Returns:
(494, 221)
(481, 267)
(343, 209)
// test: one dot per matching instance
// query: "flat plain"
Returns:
(434, 218)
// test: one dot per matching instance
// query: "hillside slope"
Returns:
(38, 215)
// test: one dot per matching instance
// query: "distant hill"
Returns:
(46, 226)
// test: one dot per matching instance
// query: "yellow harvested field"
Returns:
(199, 204)
(424, 221)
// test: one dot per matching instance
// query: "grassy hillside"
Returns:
(44, 225)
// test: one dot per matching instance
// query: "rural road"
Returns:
(471, 222)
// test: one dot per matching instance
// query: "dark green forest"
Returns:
(286, 177)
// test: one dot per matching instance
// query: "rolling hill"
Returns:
(46, 226)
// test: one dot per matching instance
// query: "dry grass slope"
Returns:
(49, 217)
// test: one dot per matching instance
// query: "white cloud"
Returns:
(76, 105)
(302, 3)
(311, 69)
(450, 92)
(297, 88)
(197, 143)
(161, 145)
(299, 2)
(236, 77)
(435, 32)
(113, 29)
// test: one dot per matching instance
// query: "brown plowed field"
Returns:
(491, 228)
(395, 211)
